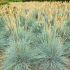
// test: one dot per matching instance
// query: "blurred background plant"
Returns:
(29, 0)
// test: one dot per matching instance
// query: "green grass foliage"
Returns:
(31, 46)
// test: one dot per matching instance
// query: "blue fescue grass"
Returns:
(33, 45)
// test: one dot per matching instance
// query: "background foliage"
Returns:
(30, 0)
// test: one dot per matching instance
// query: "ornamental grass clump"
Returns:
(34, 46)
(52, 47)
(21, 50)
